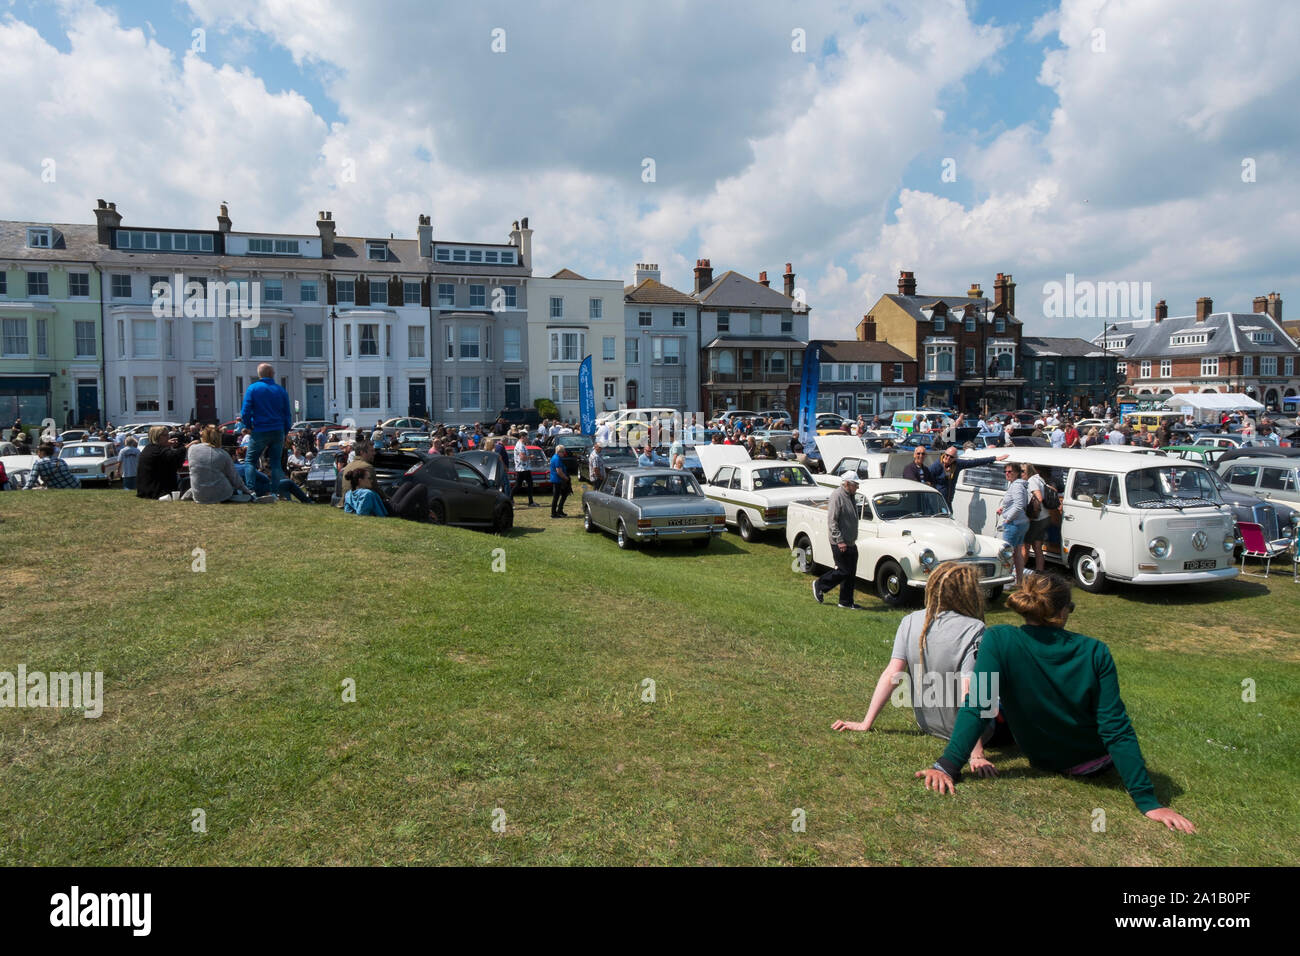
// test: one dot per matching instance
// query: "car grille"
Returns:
(1266, 518)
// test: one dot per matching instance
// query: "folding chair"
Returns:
(1255, 546)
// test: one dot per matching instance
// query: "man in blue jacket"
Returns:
(266, 413)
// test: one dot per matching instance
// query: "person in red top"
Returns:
(1071, 435)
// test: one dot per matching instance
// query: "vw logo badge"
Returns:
(1200, 540)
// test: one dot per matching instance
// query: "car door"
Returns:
(720, 491)
(1099, 528)
(1278, 483)
(473, 495)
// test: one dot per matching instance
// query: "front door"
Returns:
(417, 399)
(205, 400)
(512, 393)
(87, 401)
(315, 399)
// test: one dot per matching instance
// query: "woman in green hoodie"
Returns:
(1060, 696)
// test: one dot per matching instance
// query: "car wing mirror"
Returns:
(1098, 501)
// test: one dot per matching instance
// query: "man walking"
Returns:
(266, 413)
(842, 523)
(560, 484)
(523, 470)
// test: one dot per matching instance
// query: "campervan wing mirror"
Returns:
(1098, 501)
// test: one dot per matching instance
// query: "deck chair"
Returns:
(1255, 546)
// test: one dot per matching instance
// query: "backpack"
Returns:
(1051, 498)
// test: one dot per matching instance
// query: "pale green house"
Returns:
(51, 346)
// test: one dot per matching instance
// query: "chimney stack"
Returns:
(1275, 306)
(425, 231)
(1004, 293)
(1204, 306)
(789, 281)
(522, 238)
(1162, 311)
(223, 219)
(906, 283)
(325, 223)
(647, 270)
(763, 280)
(107, 218)
(703, 275)
(1261, 304)
(975, 292)
(867, 329)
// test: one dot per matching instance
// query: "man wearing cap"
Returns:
(842, 523)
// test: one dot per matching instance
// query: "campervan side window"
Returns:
(986, 476)
(1089, 483)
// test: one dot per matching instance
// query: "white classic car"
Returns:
(16, 469)
(905, 531)
(840, 452)
(754, 492)
(92, 460)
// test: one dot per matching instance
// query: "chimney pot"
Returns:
(975, 292)
(906, 283)
(1275, 306)
(703, 275)
(762, 279)
(789, 281)
(107, 218)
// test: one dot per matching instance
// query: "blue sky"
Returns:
(1115, 163)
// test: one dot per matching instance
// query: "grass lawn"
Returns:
(522, 690)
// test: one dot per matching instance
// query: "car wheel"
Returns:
(1088, 573)
(891, 585)
(624, 541)
(588, 525)
(437, 512)
(745, 527)
(803, 555)
(503, 518)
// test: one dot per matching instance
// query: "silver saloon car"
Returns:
(652, 504)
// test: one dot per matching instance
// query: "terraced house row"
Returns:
(364, 327)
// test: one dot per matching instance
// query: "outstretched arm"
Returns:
(888, 678)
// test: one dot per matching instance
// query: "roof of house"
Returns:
(567, 274)
(654, 292)
(1066, 348)
(913, 304)
(731, 290)
(1228, 332)
(855, 350)
(79, 242)
(756, 342)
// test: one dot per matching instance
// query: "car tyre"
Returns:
(437, 512)
(891, 585)
(1088, 572)
(588, 525)
(624, 542)
(503, 518)
(804, 554)
(746, 527)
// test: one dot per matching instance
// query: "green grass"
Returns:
(521, 690)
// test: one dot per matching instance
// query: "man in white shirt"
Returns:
(603, 433)
(523, 471)
(1058, 437)
(1115, 437)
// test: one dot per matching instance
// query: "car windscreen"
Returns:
(1171, 487)
(787, 476)
(83, 451)
(910, 504)
(662, 486)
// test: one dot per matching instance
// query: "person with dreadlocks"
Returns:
(936, 649)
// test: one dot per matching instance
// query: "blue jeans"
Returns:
(273, 444)
(287, 488)
(128, 484)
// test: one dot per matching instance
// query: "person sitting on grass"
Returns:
(1059, 693)
(50, 471)
(937, 646)
(213, 477)
(362, 498)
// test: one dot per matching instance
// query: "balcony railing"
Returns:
(777, 378)
(939, 376)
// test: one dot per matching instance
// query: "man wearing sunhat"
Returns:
(842, 523)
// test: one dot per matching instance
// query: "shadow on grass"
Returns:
(1108, 779)
(1182, 595)
(673, 549)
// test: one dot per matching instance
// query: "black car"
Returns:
(528, 417)
(490, 465)
(611, 456)
(459, 494)
(321, 479)
(579, 447)
(390, 466)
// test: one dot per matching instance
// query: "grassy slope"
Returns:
(520, 690)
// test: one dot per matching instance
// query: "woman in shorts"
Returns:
(1015, 517)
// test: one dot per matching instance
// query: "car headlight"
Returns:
(1159, 547)
(1286, 531)
(1006, 553)
(1230, 541)
(928, 559)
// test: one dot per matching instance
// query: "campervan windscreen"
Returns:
(1171, 487)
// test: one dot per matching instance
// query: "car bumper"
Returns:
(1183, 577)
(996, 581)
(701, 531)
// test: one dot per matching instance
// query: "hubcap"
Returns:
(1088, 569)
(891, 584)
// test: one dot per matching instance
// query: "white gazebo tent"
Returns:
(1202, 402)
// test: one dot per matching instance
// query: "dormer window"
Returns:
(940, 322)
(40, 238)
(1190, 338)
(442, 254)
(1262, 338)
(377, 251)
(999, 324)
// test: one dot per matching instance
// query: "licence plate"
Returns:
(680, 522)
(1199, 565)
